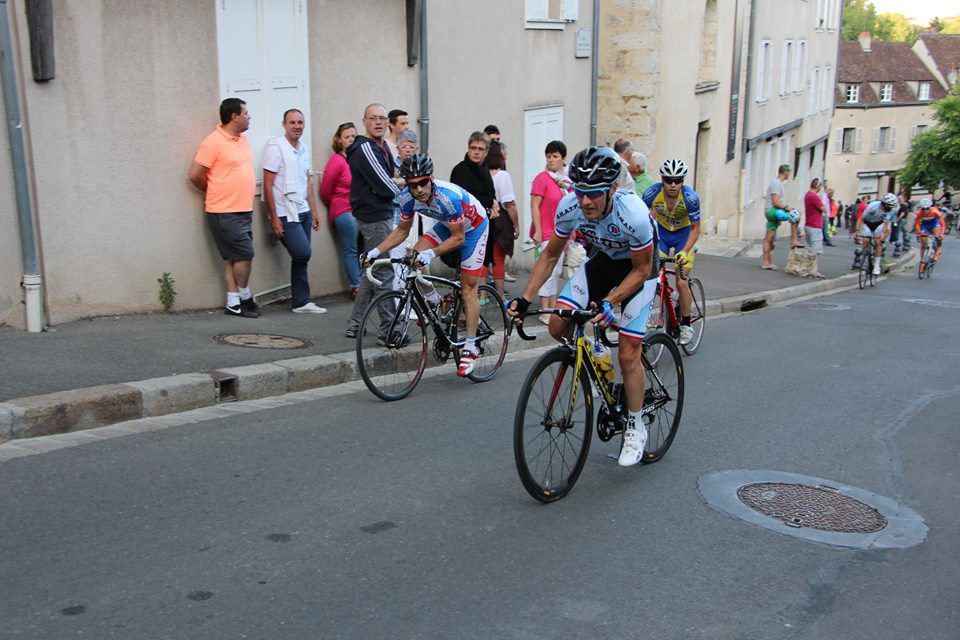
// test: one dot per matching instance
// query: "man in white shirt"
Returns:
(624, 149)
(291, 198)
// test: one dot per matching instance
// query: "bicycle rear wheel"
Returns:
(492, 334)
(552, 426)
(664, 394)
(698, 316)
(391, 346)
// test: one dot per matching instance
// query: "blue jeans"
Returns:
(296, 238)
(347, 231)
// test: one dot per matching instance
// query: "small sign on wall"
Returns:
(584, 43)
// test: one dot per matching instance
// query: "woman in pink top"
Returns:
(335, 193)
(545, 193)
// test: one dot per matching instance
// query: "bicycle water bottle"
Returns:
(431, 295)
(604, 360)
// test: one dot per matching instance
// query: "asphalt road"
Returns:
(350, 518)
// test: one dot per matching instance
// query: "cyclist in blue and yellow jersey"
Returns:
(676, 208)
(621, 273)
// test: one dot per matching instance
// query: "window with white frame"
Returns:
(785, 66)
(923, 91)
(550, 14)
(886, 92)
(884, 139)
(826, 92)
(917, 129)
(814, 88)
(799, 66)
(849, 140)
(764, 64)
(853, 93)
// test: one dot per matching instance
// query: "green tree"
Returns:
(858, 16)
(949, 25)
(936, 25)
(935, 155)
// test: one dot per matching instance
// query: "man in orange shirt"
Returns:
(223, 169)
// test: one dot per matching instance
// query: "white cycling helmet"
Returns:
(889, 199)
(926, 203)
(673, 168)
(793, 217)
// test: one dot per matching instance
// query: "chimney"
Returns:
(865, 41)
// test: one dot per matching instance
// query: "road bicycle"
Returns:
(667, 319)
(866, 275)
(554, 420)
(929, 258)
(393, 338)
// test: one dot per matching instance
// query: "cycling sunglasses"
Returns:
(667, 180)
(590, 193)
(419, 182)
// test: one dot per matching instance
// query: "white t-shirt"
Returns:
(503, 187)
(775, 187)
(625, 181)
(273, 162)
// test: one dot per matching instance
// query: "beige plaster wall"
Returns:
(842, 168)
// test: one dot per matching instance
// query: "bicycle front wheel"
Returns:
(391, 346)
(553, 426)
(492, 334)
(866, 267)
(698, 316)
(664, 396)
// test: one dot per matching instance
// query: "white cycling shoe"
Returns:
(876, 268)
(686, 334)
(634, 440)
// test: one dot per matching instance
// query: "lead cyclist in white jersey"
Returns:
(623, 272)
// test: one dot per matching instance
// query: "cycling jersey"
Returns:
(874, 215)
(685, 213)
(627, 229)
(929, 219)
(450, 204)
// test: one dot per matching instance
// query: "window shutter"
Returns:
(876, 140)
(838, 145)
(893, 139)
(536, 9)
(784, 65)
(571, 10)
(858, 145)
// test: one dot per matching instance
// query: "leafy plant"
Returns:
(935, 154)
(167, 292)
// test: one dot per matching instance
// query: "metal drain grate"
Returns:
(798, 505)
(262, 341)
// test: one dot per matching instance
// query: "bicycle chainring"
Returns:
(609, 425)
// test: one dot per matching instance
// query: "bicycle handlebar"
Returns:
(408, 261)
(579, 316)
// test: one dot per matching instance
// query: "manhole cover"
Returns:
(798, 505)
(824, 306)
(934, 303)
(263, 341)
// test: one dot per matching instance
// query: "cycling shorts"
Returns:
(674, 241)
(473, 249)
(929, 226)
(596, 278)
(873, 230)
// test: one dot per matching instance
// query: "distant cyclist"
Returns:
(930, 220)
(622, 273)
(461, 226)
(874, 226)
(676, 208)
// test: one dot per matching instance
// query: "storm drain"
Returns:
(262, 341)
(813, 509)
(797, 505)
(820, 306)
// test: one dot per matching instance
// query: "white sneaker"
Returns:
(876, 268)
(686, 334)
(508, 277)
(634, 440)
(310, 308)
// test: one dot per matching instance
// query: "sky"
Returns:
(919, 11)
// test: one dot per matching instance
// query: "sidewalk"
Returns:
(46, 383)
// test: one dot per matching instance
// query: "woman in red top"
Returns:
(335, 193)
(548, 187)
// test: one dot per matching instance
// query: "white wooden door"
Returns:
(263, 60)
(540, 126)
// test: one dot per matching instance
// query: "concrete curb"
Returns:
(76, 410)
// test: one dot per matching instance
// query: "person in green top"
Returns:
(638, 171)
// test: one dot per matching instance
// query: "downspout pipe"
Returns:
(595, 72)
(32, 280)
(748, 89)
(424, 118)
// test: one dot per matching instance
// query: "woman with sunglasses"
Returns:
(461, 227)
(335, 194)
(677, 210)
